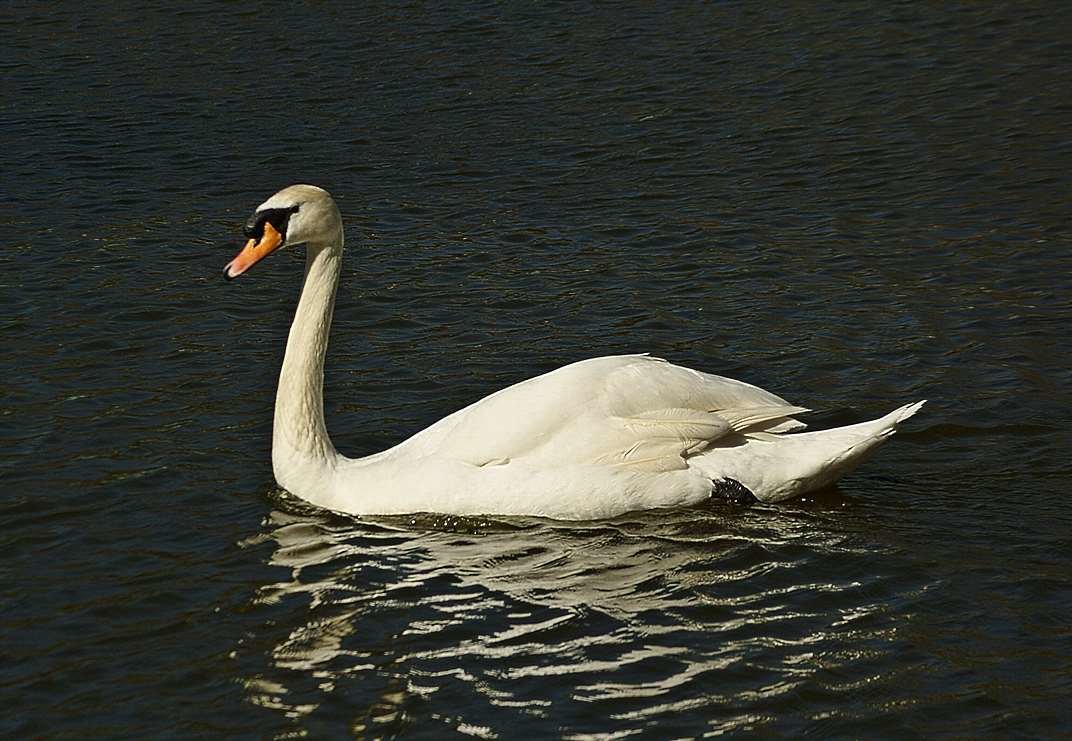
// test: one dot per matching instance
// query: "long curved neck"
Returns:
(300, 438)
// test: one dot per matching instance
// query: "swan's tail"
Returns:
(777, 467)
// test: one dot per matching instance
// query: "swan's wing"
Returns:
(629, 410)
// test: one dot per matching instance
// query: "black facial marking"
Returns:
(254, 228)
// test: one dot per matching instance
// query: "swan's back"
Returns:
(631, 410)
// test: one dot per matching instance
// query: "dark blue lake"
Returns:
(854, 205)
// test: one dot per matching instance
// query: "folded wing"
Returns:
(633, 410)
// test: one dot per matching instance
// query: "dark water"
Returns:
(855, 206)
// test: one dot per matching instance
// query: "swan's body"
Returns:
(592, 439)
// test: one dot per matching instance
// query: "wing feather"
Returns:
(632, 410)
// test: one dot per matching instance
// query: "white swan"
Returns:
(589, 440)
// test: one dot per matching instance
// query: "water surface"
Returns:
(854, 206)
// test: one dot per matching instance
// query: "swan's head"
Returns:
(295, 215)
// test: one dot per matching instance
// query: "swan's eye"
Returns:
(254, 228)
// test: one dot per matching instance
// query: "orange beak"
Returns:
(254, 252)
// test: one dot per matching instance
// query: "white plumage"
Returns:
(592, 439)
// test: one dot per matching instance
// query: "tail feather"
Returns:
(777, 467)
(900, 414)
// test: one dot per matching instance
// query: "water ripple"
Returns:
(851, 204)
(542, 620)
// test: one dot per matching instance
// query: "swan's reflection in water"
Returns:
(500, 628)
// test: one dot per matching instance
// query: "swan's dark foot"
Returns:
(732, 491)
